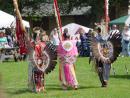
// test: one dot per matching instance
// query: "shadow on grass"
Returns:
(88, 87)
(8, 61)
(48, 88)
(20, 91)
(120, 76)
(58, 87)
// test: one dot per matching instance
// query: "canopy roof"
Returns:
(7, 20)
(73, 28)
(121, 20)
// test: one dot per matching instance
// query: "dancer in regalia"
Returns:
(36, 76)
(67, 53)
(41, 61)
(104, 52)
(42, 55)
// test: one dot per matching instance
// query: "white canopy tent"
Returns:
(73, 28)
(7, 20)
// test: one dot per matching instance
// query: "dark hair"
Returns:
(99, 29)
(66, 35)
(34, 35)
(66, 30)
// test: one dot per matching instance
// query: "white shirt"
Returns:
(55, 39)
(126, 35)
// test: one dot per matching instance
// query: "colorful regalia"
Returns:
(42, 55)
(104, 51)
(67, 53)
(36, 76)
(42, 60)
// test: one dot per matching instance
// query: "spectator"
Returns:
(114, 30)
(44, 36)
(55, 38)
(125, 41)
(84, 43)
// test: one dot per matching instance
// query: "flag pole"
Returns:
(107, 14)
(58, 19)
(24, 35)
(18, 14)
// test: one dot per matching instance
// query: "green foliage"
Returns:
(115, 2)
(97, 10)
(14, 80)
(7, 6)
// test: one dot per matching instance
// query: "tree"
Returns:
(97, 10)
(6, 5)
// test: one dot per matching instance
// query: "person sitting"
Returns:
(3, 40)
(10, 40)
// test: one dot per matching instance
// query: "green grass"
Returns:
(14, 81)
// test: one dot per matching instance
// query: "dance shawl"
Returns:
(44, 56)
(106, 50)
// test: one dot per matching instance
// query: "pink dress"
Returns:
(67, 53)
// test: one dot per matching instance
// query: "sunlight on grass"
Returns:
(14, 81)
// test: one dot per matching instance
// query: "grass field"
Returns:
(14, 81)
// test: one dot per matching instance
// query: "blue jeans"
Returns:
(106, 71)
(103, 71)
(125, 47)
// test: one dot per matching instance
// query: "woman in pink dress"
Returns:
(67, 53)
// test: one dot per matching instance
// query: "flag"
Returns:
(20, 34)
